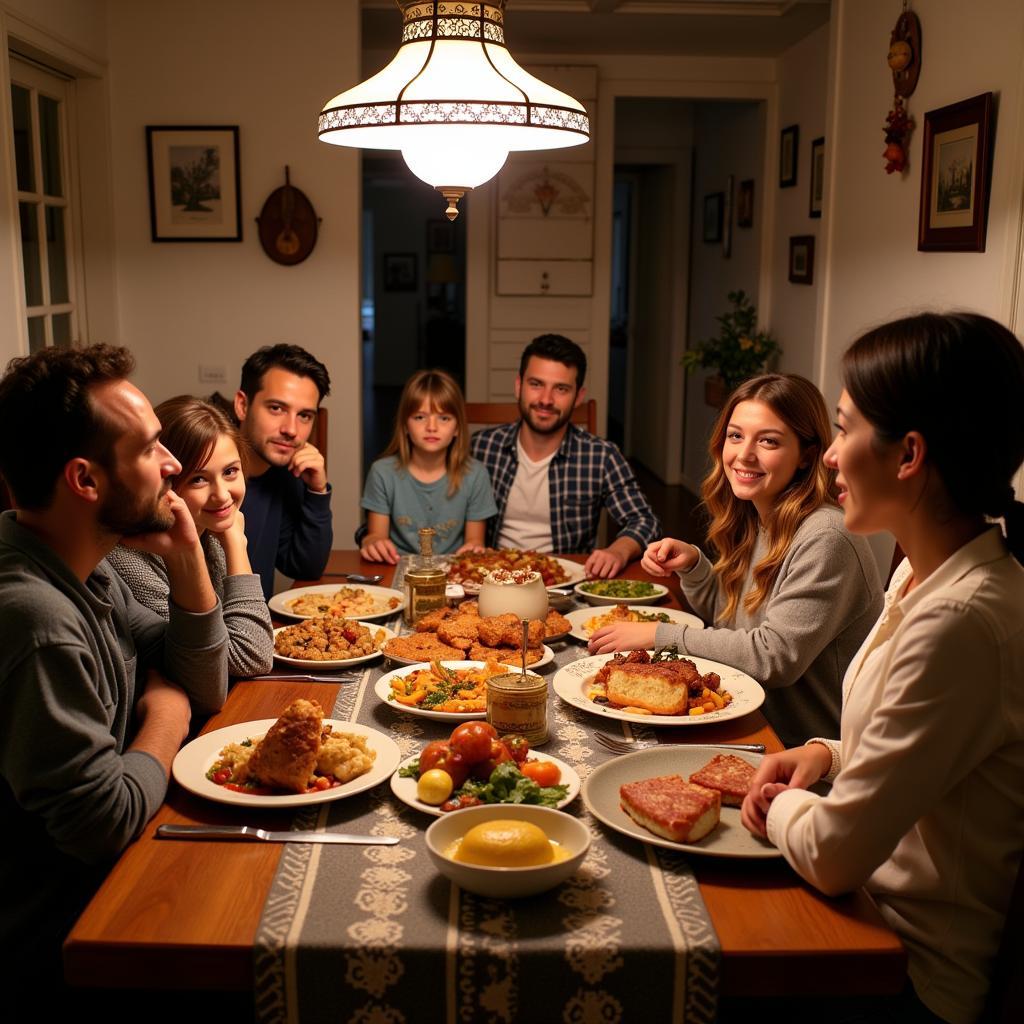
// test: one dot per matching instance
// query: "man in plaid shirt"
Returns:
(550, 478)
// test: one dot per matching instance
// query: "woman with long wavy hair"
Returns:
(790, 595)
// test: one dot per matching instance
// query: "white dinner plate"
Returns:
(659, 592)
(405, 789)
(278, 604)
(311, 663)
(601, 798)
(573, 571)
(195, 759)
(545, 659)
(572, 682)
(582, 616)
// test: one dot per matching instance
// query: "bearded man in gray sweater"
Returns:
(96, 691)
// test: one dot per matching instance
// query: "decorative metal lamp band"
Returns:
(451, 112)
(448, 20)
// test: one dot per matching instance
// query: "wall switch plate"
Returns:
(212, 374)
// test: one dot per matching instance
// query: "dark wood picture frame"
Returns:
(956, 176)
(195, 192)
(801, 259)
(745, 204)
(789, 153)
(399, 272)
(714, 204)
(817, 193)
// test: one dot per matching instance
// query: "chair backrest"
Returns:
(491, 413)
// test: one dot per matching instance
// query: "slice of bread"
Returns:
(729, 775)
(672, 808)
(658, 688)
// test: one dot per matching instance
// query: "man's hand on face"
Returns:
(179, 538)
(308, 463)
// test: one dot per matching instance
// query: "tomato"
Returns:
(473, 740)
(518, 746)
(544, 773)
(498, 754)
(321, 782)
(458, 802)
(434, 787)
(221, 776)
(439, 754)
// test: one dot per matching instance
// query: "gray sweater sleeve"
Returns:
(821, 588)
(250, 631)
(700, 587)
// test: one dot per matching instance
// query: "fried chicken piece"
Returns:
(429, 622)
(287, 755)
(469, 608)
(421, 647)
(556, 624)
(505, 655)
(460, 631)
(507, 631)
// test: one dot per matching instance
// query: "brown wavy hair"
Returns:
(444, 394)
(734, 522)
(189, 429)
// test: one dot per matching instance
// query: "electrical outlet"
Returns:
(212, 374)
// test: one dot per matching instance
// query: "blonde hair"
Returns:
(444, 394)
(734, 522)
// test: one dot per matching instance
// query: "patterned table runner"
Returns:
(374, 935)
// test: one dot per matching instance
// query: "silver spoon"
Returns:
(526, 637)
(352, 577)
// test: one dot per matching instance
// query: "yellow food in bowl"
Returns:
(505, 844)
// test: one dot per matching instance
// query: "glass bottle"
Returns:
(425, 580)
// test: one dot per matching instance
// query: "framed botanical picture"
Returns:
(788, 146)
(956, 173)
(745, 204)
(400, 272)
(194, 193)
(801, 259)
(817, 176)
(713, 207)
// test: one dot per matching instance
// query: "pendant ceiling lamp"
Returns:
(453, 100)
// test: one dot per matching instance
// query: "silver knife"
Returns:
(248, 832)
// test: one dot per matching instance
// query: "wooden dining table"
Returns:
(183, 915)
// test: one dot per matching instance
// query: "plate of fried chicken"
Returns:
(462, 633)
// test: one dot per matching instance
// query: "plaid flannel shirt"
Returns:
(586, 474)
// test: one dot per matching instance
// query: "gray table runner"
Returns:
(374, 935)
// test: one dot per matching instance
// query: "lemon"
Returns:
(505, 844)
(434, 787)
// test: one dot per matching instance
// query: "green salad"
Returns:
(620, 588)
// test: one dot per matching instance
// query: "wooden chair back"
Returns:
(492, 413)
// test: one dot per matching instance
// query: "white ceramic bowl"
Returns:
(508, 883)
(659, 592)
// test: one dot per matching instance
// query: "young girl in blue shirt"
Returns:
(426, 477)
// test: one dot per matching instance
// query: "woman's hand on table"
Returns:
(669, 555)
(623, 636)
(798, 768)
(379, 549)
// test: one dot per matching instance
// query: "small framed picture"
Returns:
(801, 259)
(440, 236)
(713, 207)
(956, 173)
(399, 272)
(745, 204)
(194, 192)
(727, 218)
(817, 176)
(788, 146)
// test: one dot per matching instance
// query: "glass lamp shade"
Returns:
(453, 100)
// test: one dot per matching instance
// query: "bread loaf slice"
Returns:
(671, 807)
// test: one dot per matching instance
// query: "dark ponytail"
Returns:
(958, 379)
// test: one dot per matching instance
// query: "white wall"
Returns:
(875, 271)
(729, 138)
(249, 64)
(803, 86)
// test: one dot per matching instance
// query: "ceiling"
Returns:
(745, 28)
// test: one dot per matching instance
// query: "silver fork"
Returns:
(623, 745)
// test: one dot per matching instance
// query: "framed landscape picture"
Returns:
(788, 146)
(801, 259)
(817, 176)
(956, 173)
(194, 193)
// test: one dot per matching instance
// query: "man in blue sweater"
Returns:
(287, 504)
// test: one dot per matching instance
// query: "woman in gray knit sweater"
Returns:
(211, 484)
(791, 594)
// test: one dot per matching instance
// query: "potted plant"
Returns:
(738, 351)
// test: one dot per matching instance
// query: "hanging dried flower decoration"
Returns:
(904, 60)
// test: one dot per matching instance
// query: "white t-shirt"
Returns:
(527, 522)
